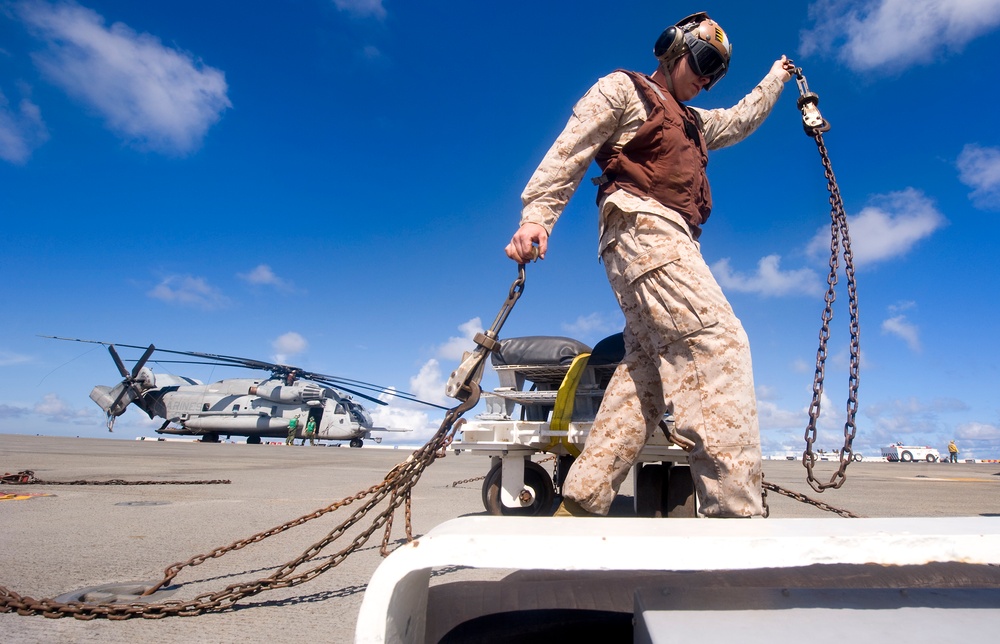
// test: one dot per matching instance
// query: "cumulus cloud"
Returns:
(153, 96)
(53, 408)
(22, 130)
(287, 345)
(594, 327)
(362, 8)
(892, 35)
(979, 168)
(769, 280)
(978, 432)
(187, 290)
(454, 347)
(262, 275)
(888, 228)
(902, 328)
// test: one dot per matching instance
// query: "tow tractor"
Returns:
(908, 453)
(550, 388)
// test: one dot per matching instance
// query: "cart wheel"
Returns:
(535, 477)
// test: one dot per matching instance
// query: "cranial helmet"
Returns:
(702, 38)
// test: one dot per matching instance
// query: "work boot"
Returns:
(570, 508)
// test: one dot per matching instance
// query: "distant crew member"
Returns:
(293, 426)
(310, 431)
(952, 452)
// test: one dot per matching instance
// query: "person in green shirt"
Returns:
(293, 426)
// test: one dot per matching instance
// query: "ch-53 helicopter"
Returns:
(253, 407)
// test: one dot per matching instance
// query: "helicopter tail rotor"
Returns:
(115, 400)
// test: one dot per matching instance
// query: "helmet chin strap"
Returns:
(665, 68)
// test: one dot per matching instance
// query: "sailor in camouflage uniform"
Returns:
(686, 352)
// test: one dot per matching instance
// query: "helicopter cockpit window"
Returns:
(340, 409)
(236, 408)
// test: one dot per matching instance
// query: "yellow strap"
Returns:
(562, 412)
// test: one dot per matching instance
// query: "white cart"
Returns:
(549, 391)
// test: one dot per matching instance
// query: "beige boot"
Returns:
(570, 508)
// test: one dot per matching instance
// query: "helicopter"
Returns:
(257, 408)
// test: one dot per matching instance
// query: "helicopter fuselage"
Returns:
(256, 408)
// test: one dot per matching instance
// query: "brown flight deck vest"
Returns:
(666, 160)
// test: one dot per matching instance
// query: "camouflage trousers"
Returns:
(686, 353)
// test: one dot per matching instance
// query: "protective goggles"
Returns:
(705, 60)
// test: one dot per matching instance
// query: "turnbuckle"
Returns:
(812, 121)
(463, 383)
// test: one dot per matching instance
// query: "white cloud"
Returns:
(979, 168)
(153, 96)
(454, 347)
(187, 290)
(288, 344)
(53, 408)
(902, 328)
(8, 359)
(892, 35)
(262, 275)
(977, 432)
(888, 228)
(594, 327)
(362, 8)
(22, 130)
(769, 280)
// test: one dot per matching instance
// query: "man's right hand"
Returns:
(529, 243)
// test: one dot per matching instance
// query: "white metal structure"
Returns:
(569, 552)
(910, 453)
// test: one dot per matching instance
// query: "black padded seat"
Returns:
(538, 350)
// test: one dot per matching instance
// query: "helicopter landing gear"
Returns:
(210, 437)
(253, 440)
(356, 442)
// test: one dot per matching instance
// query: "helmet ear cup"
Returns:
(669, 43)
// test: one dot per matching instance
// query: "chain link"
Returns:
(27, 477)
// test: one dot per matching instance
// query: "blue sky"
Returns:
(331, 184)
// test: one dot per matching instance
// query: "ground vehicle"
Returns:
(550, 390)
(909, 453)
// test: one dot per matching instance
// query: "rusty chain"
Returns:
(27, 477)
(814, 126)
(396, 487)
(803, 498)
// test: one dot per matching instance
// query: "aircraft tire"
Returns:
(356, 442)
(535, 476)
(211, 437)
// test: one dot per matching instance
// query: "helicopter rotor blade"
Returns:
(142, 361)
(365, 396)
(118, 361)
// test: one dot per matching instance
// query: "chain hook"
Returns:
(463, 383)
(812, 121)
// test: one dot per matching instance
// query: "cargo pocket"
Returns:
(670, 289)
